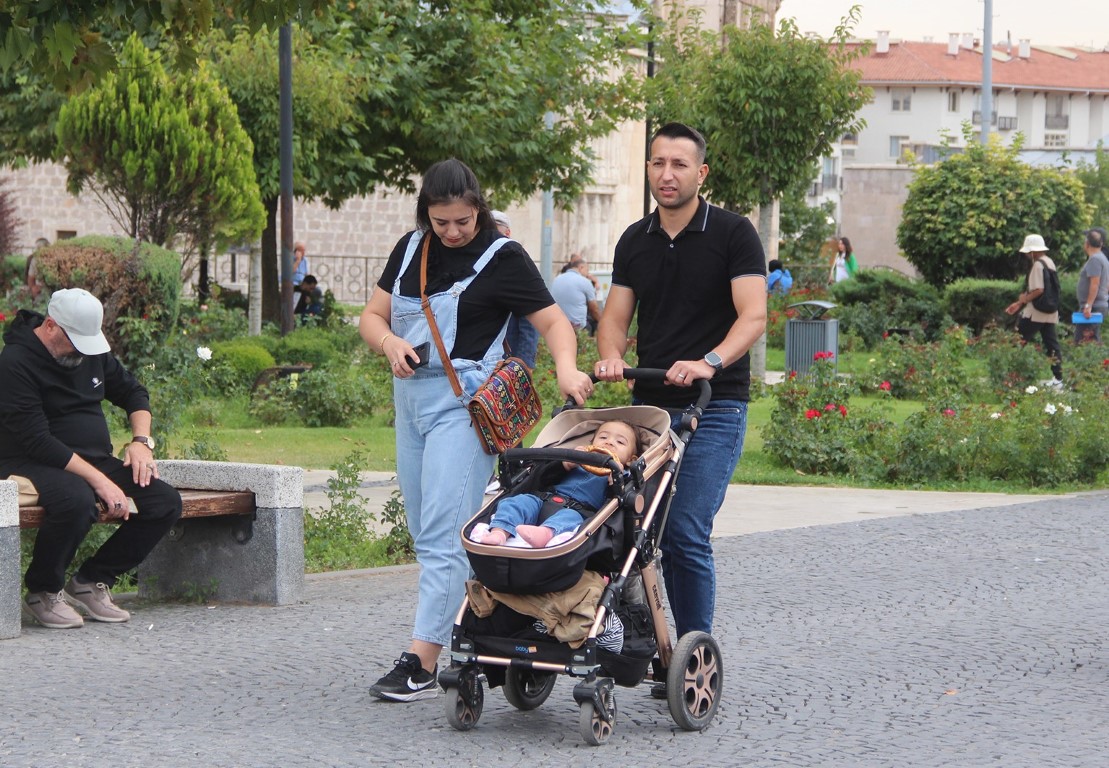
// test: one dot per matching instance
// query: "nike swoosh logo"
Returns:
(413, 686)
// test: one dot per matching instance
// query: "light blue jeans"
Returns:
(442, 472)
(688, 567)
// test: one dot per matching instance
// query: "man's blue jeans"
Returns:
(706, 470)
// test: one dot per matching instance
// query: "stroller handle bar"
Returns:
(659, 374)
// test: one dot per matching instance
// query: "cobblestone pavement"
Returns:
(967, 638)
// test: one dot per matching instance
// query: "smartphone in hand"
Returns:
(423, 351)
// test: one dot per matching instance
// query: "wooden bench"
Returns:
(194, 503)
(240, 538)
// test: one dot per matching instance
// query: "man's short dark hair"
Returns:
(1095, 238)
(310, 279)
(682, 131)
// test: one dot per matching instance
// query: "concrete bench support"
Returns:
(228, 558)
(11, 592)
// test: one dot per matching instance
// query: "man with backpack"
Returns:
(1038, 305)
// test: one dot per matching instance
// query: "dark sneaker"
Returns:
(51, 610)
(96, 599)
(408, 681)
(658, 691)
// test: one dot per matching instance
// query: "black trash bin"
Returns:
(810, 332)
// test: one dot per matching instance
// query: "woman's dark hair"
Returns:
(449, 181)
(774, 264)
(847, 249)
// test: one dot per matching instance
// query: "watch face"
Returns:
(714, 360)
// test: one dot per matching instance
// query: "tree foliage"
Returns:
(168, 158)
(968, 215)
(72, 43)
(776, 103)
(382, 90)
(1095, 178)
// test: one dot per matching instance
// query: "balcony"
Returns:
(1006, 123)
(976, 117)
(1057, 122)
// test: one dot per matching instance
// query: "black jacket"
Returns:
(49, 412)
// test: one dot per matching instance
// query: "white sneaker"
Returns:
(1056, 384)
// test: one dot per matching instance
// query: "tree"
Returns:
(967, 215)
(72, 44)
(327, 161)
(383, 90)
(1095, 178)
(167, 159)
(775, 105)
(804, 228)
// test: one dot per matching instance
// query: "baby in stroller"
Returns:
(580, 490)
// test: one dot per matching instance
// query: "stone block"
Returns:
(11, 578)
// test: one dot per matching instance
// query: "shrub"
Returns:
(322, 397)
(546, 382)
(142, 282)
(310, 346)
(246, 358)
(914, 369)
(812, 426)
(12, 271)
(213, 322)
(875, 301)
(977, 303)
(1011, 364)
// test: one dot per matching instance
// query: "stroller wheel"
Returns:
(595, 727)
(465, 702)
(526, 689)
(694, 681)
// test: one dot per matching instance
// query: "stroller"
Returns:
(619, 541)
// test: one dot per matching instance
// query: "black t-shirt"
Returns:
(683, 288)
(509, 284)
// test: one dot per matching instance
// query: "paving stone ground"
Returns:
(966, 638)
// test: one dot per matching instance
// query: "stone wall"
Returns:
(871, 210)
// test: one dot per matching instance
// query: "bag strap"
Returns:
(431, 319)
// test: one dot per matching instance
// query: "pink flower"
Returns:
(884, 386)
(843, 410)
(830, 407)
(948, 412)
(4, 317)
(811, 414)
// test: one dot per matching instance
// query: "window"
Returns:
(850, 139)
(1055, 139)
(65, 234)
(901, 99)
(952, 101)
(895, 145)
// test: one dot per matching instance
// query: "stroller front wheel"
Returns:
(694, 681)
(465, 701)
(596, 727)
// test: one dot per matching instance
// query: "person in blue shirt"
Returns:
(779, 281)
(579, 489)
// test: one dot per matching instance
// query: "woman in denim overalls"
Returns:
(441, 467)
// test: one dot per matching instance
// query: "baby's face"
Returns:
(618, 438)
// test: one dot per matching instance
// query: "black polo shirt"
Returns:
(683, 288)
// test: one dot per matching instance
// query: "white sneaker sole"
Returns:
(424, 693)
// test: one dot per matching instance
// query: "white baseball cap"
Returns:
(502, 218)
(80, 315)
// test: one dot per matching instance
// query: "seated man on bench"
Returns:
(55, 371)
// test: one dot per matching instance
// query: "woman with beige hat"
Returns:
(1033, 318)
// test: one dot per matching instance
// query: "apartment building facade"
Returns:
(1056, 99)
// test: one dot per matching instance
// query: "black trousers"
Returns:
(70, 507)
(1028, 329)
